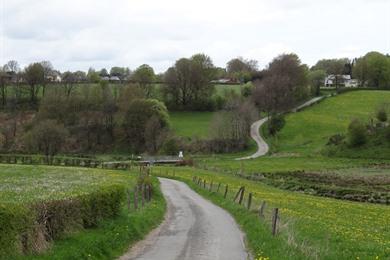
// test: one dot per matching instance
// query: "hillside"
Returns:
(308, 131)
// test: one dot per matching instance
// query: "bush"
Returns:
(336, 139)
(387, 133)
(276, 123)
(357, 133)
(30, 228)
(170, 146)
(381, 115)
(47, 137)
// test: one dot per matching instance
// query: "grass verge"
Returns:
(111, 238)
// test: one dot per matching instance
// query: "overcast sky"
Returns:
(78, 34)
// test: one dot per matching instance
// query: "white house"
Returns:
(340, 80)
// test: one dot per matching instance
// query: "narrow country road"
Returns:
(194, 228)
(262, 146)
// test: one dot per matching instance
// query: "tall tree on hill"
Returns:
(140, 111)
(145, 77)
(69, 79)
(34, 75)
(189, 82)
(373, 69)
(284, 84)
(241, 69)
(47, 72)
(316, 79)
(333, 66)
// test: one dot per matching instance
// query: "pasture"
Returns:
(54, 212)
(191, 124)
(307, 132)
(26, 184)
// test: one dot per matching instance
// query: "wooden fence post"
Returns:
(241, 195)
(249, 201)
(204, 184)
(261, 209)
(143, 195)
(136, 198)
(275, 218)
(211, 186)
(150, 192)
(219, 185)
(237, 194)
(226, 191)
(128, 199)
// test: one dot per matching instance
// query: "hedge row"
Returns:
(30, 228)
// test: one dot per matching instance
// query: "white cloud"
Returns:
(77, 34)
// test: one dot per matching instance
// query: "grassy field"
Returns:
(298, 146)
(308, 131)
(24, 188)
(223, 89)
(191, 124)
(312, 227)
(26, 184)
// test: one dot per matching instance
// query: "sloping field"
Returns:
(308, 131)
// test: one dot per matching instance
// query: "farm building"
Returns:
(341, 81)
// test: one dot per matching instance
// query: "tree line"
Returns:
(98, 117)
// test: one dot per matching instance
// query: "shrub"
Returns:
(276, 123)
(357, 133)
(336, 139)
(30, 228)
(47, 137)
(381, 115)
(15, 224)
(387, 133)
(170, 146)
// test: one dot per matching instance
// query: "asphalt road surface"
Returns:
(194, 228)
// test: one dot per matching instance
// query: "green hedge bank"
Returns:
(26, 229)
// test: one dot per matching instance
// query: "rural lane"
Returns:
(262, 146)
(194, 228)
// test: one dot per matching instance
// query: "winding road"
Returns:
(194, 228)
(262, 146)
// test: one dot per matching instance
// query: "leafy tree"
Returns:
(3, 86)
(46, 137)
(373, 69)
(69, 79)
(381, 114)
(241, 69)
(316, 79)
(120, 72)
(155, 135)
(333, 66)
(276, 123)
(357, 133)
(34, 75)
(283, 85)
(93, 76)
(47, 72)
(140, 111)
(189, 82)
(144, 76)
(103, 73)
